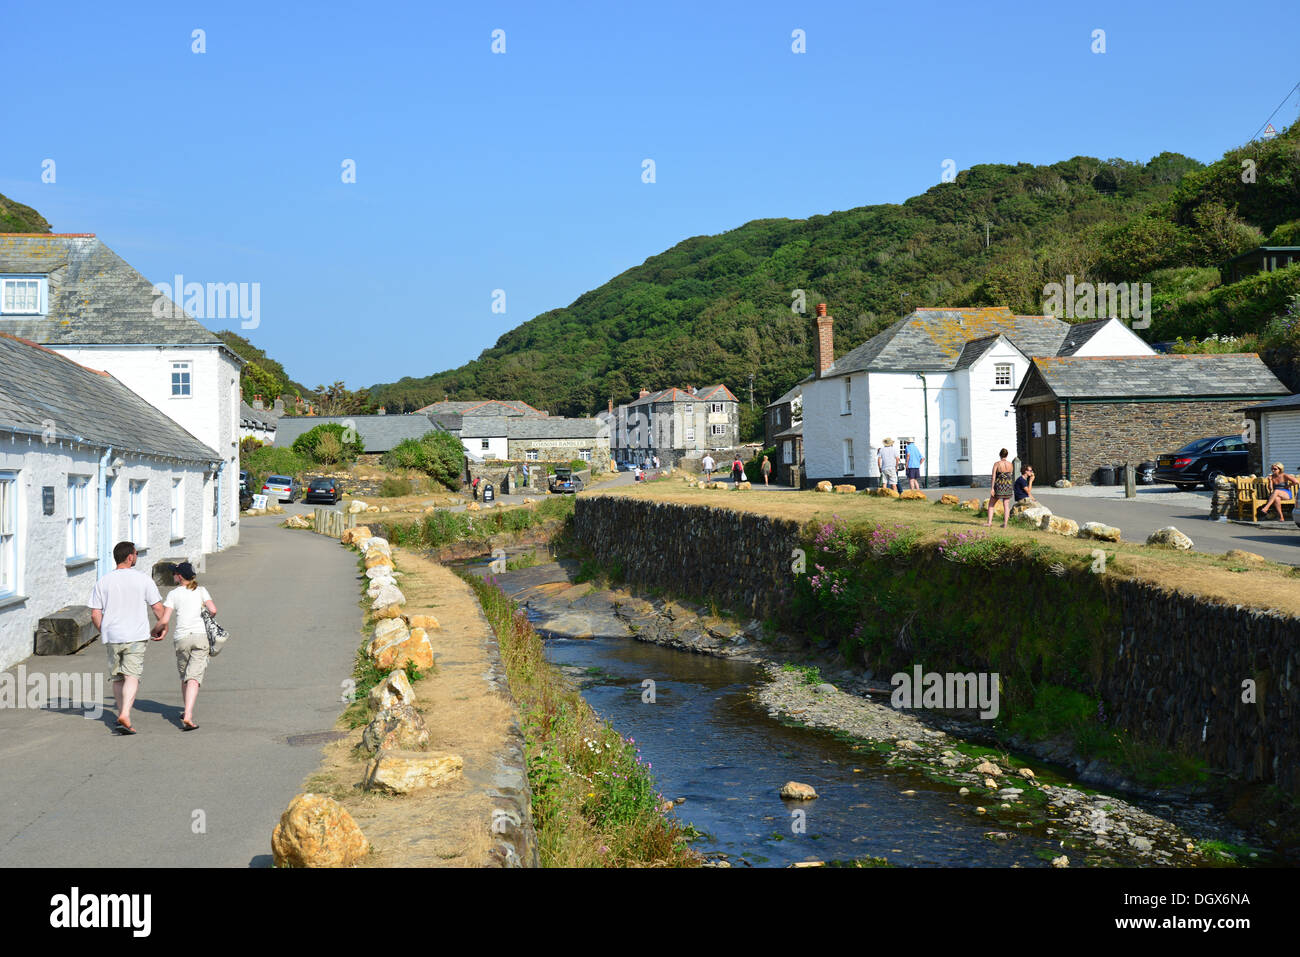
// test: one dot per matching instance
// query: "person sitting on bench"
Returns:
(1279, 482)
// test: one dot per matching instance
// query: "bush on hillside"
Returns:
(437, 454)
(1232, 310)
(269, 460)
(329, 444)
(753, 468)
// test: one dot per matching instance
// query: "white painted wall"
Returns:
(210, 413)
(826, 427)
(45, 579)
(993, 420)
(497, 447)
(1115, 339)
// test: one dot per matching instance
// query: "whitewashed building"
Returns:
(942, 378)
(85, 463)
(73, 294)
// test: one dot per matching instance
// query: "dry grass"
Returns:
(1266, 585)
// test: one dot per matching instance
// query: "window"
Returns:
(1002, 374)
(848, 456)
(785, 452)
(8, 533)
(584, 454)
(531, 455)
(964, 443)
(485, 443)
(1038, 430)
(178, 509)
(1051, 426)
(180, 379)
(717, 430)
(135, 507)
(79, 545)
(846, 407)
(690, 409)
(23, 296)
(715, 407)
(690, 436)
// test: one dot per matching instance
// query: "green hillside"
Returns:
(17, 218)
(718, 308)
(263, 375)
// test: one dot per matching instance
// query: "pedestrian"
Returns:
(525, 475)
(766, 469)
(887, 462)
(737, 470)
(474, 488)
(190, 639)
(119, 606)
(1025, 485)
(1279, 483)
(914, 462)
(1002, 488)
(655, 460)
(708, 465)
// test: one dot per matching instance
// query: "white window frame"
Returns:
(584, 454)
(178, 509)
(530, 455)
(849, 467)
(846, 401)
(787, 451)
(182, 378)
(1004, 369)
(42, 306)
(717, 430)
(716, 407)
(690, 409)
(690, 436)
(9, 582)
(485, 444)
(137, 510)
(80, 537)
(964, 447)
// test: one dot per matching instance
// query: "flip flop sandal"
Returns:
(189, 727)
(124, 729)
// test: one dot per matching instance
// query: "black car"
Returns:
(564, 481)
(243, 480)
(323, 490)
(1202, 461)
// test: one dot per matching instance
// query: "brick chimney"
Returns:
(644, 393)
(611, 406)
(382, 411)
(824, 344)
(258, 403)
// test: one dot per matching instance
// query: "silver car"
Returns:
(281, 488)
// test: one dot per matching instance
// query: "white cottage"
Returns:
(942, 378)
(85, 463)
(73, 294)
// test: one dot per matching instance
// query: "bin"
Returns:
(488, 493)
(1106, 475)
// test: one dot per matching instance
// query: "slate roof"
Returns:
(38, 385)
(933, 340)
(525, 428)
(792, 394)
(95, 296)
(1079, 335)
(484, 426)
(712, 393)
(251, 418)
(794, 432)
(1183, 376)
(480, 407)
(1284, 404)
(378, 433)
(971, 352)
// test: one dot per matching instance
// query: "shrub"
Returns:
(269, 460)
(328, 444)
(753, 468)
(437, 454)
(394, 487)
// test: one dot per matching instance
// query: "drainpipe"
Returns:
(102, 518)
(1069, 420)
(925, 407)
(221, 511)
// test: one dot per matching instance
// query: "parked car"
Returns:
(1202, 461)
(323, 490)
(565, 482)
(243, 480)
(283, 488)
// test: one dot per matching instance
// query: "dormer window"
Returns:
(1002, 374)
(23, 296)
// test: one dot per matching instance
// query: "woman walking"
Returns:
(737, 470)
(1003, 487)
(766, 469)
(187, 602)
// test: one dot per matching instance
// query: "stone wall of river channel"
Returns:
(1170, 669)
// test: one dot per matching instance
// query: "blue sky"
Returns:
(522, 171)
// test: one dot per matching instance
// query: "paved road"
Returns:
(74, 794)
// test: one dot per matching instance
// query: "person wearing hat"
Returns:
(187, 602)
(887, 462)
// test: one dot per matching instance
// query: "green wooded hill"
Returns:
(17, 218)
(262, 375)
(718, 308)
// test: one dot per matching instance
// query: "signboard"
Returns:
(1269, 131)
(47, 499)
(259, 501)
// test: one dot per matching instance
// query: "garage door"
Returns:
(1282, 440)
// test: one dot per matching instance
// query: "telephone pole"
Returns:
(751, 392)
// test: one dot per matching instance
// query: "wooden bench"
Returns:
(1253, 493)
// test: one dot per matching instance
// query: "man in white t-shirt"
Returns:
(708, 465)
(119, 607)
(887, 462)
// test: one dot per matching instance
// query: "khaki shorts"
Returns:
(192, 657)
(125, 659)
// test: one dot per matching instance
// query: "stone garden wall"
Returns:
(1171, 671)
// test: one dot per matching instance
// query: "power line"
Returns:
(1274, 113)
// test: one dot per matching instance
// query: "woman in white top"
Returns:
(191, 638)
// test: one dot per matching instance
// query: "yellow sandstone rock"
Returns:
(316, 831)
(423, 621)
(846, 489)
(913, 495)
(401, 772)
(947, 498)
(351, 536)
(795, 791)
(824, 486)
(400, 649)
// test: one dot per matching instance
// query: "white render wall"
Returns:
(993, 420)
(498, 447)
(44, 578)
(1115, 339)
(210, 413)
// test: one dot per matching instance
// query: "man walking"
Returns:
(914, 462)
(708, 465)
(118, 607)
(887, 462)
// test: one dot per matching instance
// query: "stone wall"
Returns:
(1114, 433)
(1171, 673)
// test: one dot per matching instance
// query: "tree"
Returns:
(329, 443)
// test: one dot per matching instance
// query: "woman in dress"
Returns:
(1003, 487)
(186, 602)
(766, 469)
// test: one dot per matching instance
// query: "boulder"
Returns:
(275, 510)
(373, 508)
(423, 621)
(947, 498)
(365, 543)
(357, 506)
(741, 486)
(1035, 513)
(401, 649)
(1059, 525)
(66, 631)
(372, 591)
(388, 628)
(1169, 537)
(846, 489)
(472, 507)
(824, 486)
(395, 689)
(398, 727)
(354, 536)
(379, 571)
(1098, 531)
(316, 831)
(297, 521)
(886, 491)
(913, 495)
(401, 772)
(377, 556)
(1063, 483)
(971, 505)
(794, 791)
(988, 768)
(1236, 554)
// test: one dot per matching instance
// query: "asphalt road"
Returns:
(72, 793)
